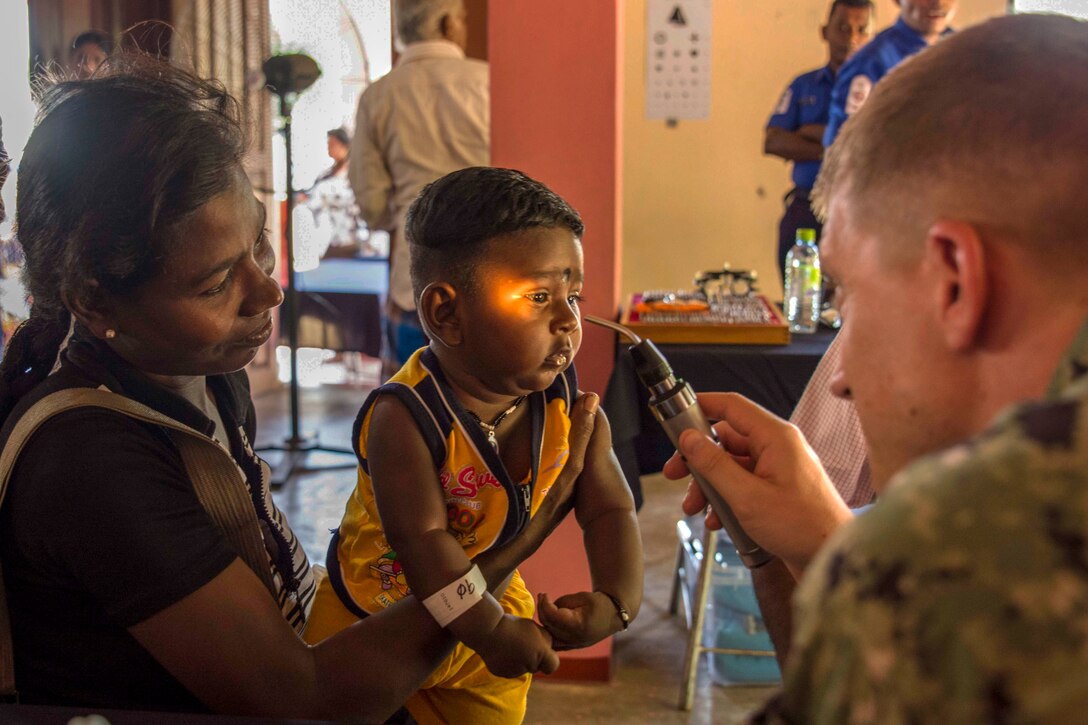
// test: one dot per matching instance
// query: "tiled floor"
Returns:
(647, 658)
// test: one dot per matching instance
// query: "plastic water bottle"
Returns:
(803, 283)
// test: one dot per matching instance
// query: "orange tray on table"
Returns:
(751, 320)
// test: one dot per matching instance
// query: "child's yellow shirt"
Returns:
(485, 507)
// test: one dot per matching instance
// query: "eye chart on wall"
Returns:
(678, 59)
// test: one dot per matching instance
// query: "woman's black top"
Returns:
(101, 529)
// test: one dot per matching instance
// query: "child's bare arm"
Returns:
(606, 512)
(413, 516)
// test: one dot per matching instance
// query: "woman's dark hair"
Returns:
(96, 37)
(451, 221)
(114, 164)
(340, 135)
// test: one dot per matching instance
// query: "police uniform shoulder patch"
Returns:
(784, 104)
(860, 88)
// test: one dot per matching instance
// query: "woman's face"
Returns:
(211, 308)
(86, 58)
(338, 151)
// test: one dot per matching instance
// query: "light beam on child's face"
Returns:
(510, 297)
(514, 288)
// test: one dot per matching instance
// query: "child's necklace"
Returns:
(490, 427)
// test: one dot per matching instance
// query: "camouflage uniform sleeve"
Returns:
(962, 596)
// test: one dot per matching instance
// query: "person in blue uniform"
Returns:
(921, 23)
(795, 130)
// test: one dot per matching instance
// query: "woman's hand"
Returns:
(560, 499)
(517, 646)
(498, 563)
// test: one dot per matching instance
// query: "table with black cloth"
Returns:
(347, 295)
(772, 375)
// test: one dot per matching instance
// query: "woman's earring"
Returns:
(111, 333)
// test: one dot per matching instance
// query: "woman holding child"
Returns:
(151, 274)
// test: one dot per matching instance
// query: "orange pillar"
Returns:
(556, 110)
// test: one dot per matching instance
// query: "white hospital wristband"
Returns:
(457, 597)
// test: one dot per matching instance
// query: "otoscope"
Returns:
(673, 403)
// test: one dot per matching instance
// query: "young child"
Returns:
(460, 447)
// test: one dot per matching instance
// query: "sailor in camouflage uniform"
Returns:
(962, 596)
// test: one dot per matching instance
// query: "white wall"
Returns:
(702, 193)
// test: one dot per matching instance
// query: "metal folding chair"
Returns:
(694, 604)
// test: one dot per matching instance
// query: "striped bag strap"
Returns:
(216, 480)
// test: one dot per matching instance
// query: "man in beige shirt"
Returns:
(428, 117)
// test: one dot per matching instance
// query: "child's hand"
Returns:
(578, 620)
(516, 646)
